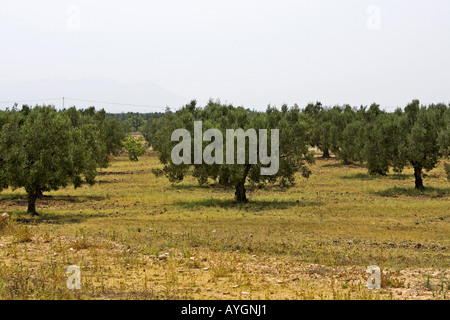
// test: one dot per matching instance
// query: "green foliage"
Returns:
(294, 137)
(136, 122)
(350, 145)
(147, 131)
(320, 127)
(342, 141)
(419, 136)
(42, 149)
(379, 149)
(135, 147)
(133, 121)
(113, 133)
(414, 137)
(123, 117)
(444, 134)
(329, 134)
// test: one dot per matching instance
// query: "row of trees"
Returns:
(418, 136)
(42, 149)
(135, 122)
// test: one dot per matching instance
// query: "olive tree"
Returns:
(136, 122)
(423, 126)
(292, 155)
(42, 149)
(344, 130)
(384, 141)
(415, 136)
(320, 124)
(135, 147)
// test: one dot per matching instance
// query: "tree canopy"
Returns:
(42, 149)
(293, 144)
(418, 136)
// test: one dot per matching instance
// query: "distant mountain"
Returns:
(92, 88)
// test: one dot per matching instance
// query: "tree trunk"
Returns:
(326, 154)
(240, 195)
(32, 196)
(418, 176)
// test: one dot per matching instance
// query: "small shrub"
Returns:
(135, 147)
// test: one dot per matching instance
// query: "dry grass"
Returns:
(136, 236)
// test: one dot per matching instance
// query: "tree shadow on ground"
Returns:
(429, 192)
(342, 165)
(188, 186)
(366, 176)
(227, 188)
(252, 205)
(52, 218)
(319, 157)
(216, 188)
(73, 199)
(104, 182)
(21, 199)
(111, 173)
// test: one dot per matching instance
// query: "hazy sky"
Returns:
(247, 52)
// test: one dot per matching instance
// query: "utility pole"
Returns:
(63, 102)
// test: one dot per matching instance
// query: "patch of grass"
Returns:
(20, 233)
(11, 196)
(138, 237)
(253, 205)
(48, 282)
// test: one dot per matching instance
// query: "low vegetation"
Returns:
(150, 229)
(136, 236)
